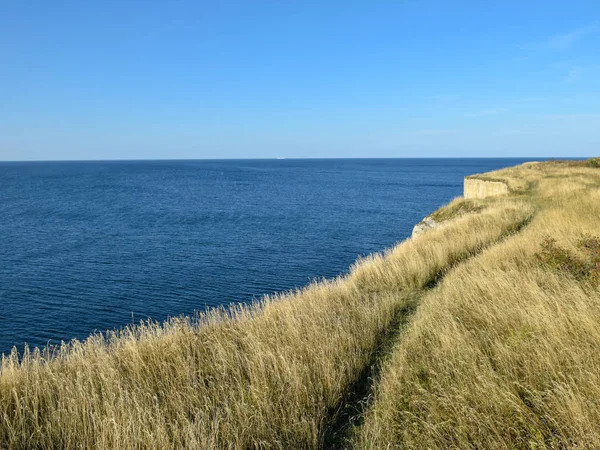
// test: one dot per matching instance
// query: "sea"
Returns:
(87, 247)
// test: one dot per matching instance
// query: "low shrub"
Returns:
(559, 258)
(590, 245)
(594, 162)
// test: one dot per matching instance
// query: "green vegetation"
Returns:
(593, 162)
(481, 333)
(458, 207)
(559, 258)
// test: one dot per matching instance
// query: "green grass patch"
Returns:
(458, 207)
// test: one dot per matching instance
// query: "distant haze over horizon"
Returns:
(248, 80)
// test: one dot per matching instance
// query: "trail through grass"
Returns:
(505, 353)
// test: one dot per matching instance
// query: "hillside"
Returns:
(480, 333)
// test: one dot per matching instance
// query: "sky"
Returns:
(299, 79)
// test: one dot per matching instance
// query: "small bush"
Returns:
(594, 162)
(590, 245)
(559, 258)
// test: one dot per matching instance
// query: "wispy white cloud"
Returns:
(574, 75)
(436, 132)
(485, 112)
(595, 117)
(566, 40)
(562, 41)
(444, 97)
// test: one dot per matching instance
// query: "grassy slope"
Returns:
(505, 352)
(272, 375)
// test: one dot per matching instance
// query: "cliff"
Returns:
(478, 188)
(473, 188)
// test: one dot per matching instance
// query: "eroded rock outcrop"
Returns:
(426, 224)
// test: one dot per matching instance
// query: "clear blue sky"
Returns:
(258, 79)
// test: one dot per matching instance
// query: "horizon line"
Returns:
(294, 158)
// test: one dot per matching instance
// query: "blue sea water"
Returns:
(84, 246)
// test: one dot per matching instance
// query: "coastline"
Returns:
(458, 324)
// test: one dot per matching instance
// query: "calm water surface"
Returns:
(84, 245)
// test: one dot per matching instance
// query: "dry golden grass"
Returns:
(271, 375)
(505, 352)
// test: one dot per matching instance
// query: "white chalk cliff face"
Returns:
(474, 188)
(426, 224)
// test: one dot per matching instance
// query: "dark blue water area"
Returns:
(86, 245)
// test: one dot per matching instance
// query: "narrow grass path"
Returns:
(504, 353)
(349, 416)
